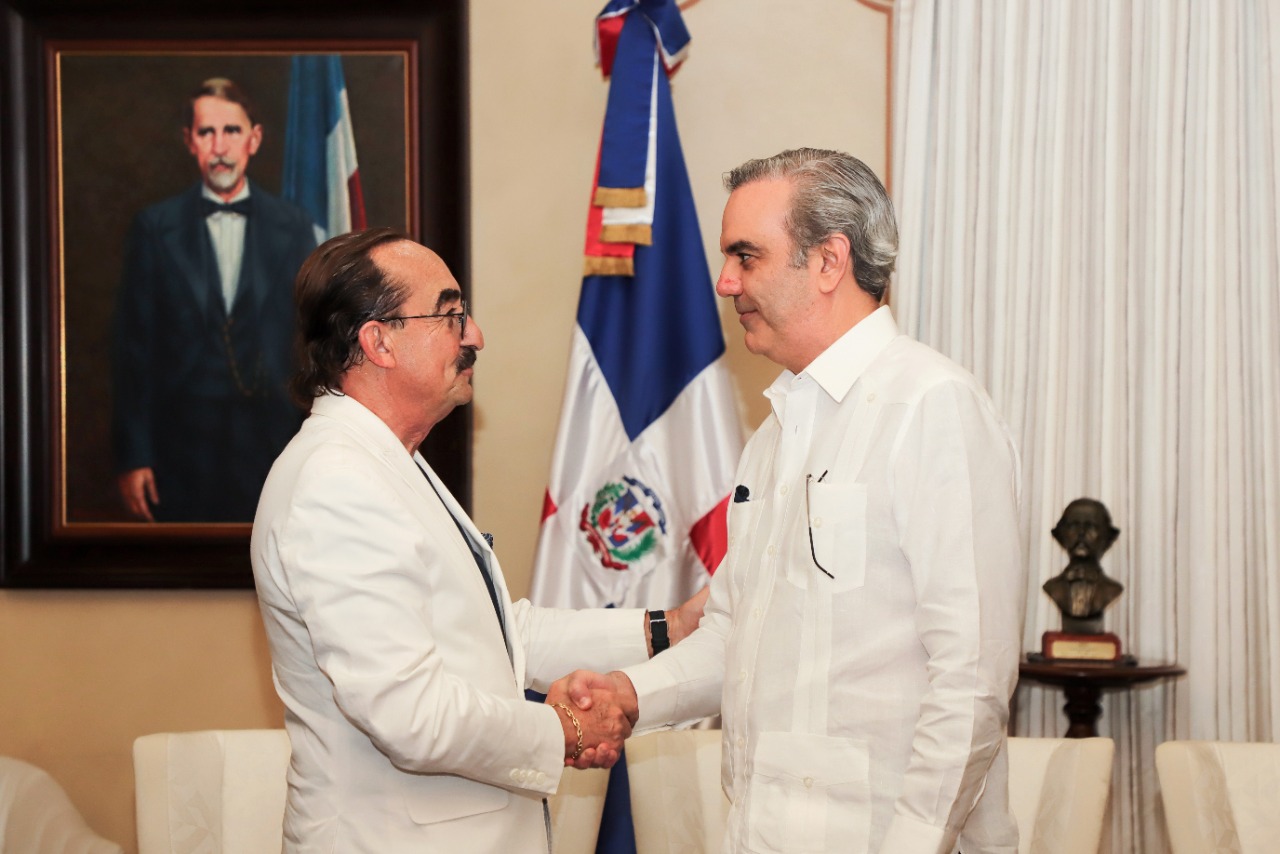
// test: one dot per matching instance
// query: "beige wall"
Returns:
(83, 673)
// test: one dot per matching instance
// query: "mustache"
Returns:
(221, 161)
(466, 358)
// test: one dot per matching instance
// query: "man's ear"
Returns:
(377, 345)
(835, 255)
(255, 139)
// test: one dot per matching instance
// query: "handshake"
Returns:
(597, 711)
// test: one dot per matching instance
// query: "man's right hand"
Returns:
(138, 489)
(605, 715)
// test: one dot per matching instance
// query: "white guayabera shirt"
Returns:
(863, 633)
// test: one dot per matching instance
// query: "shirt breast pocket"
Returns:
(837, 523)
(742, 520)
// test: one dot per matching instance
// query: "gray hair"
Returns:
(835, 193)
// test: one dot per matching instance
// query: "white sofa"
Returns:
(37, 817)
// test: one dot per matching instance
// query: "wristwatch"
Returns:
(658, 631)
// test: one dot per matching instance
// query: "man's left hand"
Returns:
(682, 621)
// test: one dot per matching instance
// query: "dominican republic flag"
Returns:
(649, 438)
(634, 515)
(320, 171)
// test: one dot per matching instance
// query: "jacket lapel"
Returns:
(189, 245)
(249, 287)
(482, 546)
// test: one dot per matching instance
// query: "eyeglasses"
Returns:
(808, 514)
(460, 316)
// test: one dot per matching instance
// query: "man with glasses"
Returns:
(203, 329)
(862, 637)
(399, 656)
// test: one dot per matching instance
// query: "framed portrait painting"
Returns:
(181, 182)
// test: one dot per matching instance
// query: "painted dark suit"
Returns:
(199, 396)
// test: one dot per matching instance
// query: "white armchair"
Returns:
(676, 800)
(1058, 791)
(576, 809)
(214, 791)
(1220, 797)
(37, 817)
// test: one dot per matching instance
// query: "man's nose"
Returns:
(475, 335)
(728, 285)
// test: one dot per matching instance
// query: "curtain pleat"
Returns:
(1087, 195)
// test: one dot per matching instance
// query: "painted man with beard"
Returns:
(203, 329)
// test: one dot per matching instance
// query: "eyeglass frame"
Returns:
(808, 518)
(461, 316)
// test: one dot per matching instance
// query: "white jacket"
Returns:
(405, 710)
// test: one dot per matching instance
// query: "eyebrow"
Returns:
(208, 129)
(741, 246)
(447, 295)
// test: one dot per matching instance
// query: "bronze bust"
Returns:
(1083, 590)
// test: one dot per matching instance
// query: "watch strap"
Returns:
(658, 631)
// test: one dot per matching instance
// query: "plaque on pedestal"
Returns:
(1071, 646)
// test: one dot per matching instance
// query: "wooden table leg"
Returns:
(1082, 708)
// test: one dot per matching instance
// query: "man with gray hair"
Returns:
(862, 637)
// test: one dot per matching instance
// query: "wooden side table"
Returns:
(1084, 681)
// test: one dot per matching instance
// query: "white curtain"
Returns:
(1088, 201)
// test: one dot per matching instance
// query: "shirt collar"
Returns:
(212, 196)
(839, 366)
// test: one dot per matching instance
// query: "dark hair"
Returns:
(338, 290)
(227, 90)
(835, 193)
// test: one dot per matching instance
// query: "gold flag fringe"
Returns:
(598, 265)
(620, 197)
(631, 233)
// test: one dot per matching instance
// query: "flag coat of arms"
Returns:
(649, 437)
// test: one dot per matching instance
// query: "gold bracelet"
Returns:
(577, 726)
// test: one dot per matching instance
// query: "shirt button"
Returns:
(808, 782)
(782, 490)
(817, 521)
(742, 676)
(542, 779)
(756, 613)
(515, 775)
(770, 551)
(871, 398)
(741, 742)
